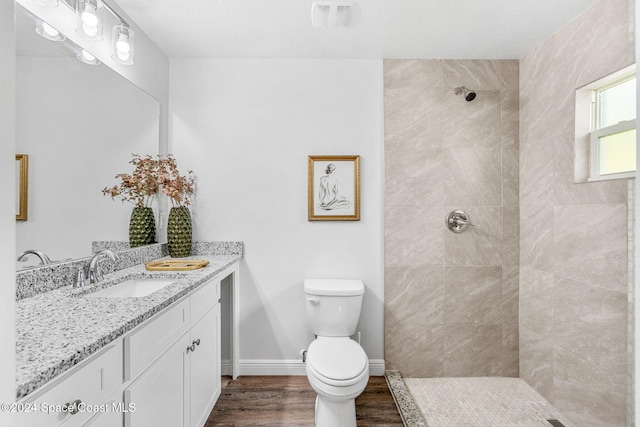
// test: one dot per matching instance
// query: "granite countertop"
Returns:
(58, 329)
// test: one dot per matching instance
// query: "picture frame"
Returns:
(333, 190)
(22, 186)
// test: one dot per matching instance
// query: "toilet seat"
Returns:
(337, 361)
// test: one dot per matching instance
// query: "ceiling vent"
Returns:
(331, 13)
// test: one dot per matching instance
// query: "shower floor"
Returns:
(470, 402)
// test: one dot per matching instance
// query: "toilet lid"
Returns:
(337, 358)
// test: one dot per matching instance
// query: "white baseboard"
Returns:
(287, 367)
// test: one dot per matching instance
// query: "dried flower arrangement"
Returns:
(149, 175)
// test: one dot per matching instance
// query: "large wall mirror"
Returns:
(79, 125)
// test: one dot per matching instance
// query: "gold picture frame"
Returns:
(22, 186)
(333, 190)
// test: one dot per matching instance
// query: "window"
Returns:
(612, 149)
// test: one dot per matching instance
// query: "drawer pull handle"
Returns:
(197, 341)
(191, 347)
(72, 408)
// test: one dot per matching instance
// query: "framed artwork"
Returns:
(22, 185)
(334, 188)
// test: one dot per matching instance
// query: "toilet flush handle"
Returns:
(313, 300)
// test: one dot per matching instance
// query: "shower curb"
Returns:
(411, 416)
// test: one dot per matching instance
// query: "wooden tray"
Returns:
(176, 265)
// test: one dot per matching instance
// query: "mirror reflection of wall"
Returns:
(79, 124)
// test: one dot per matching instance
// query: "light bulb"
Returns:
(49, 30)
(89, 17)
(122, 45)
(86, 55)
(87, 58)
(89, 30)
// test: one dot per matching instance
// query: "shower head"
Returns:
(469, 95)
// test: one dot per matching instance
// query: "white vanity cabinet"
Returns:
(73, 398)
(182, 383)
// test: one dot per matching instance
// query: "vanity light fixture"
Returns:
(47, 3)
(89, 19)
(48, 32)
(123, 44)
(87, 58)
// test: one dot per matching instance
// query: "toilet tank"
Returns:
(333, 306)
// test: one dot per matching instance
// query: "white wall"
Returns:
(79, 125)
(246, 127)
(7, 208)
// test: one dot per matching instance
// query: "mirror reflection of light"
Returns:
(50, 30)
(91, 31)
(87, 58)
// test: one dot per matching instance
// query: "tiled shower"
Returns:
(538, 287)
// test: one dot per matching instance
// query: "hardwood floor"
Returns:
(289, 401)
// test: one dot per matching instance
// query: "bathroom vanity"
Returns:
(91, 360)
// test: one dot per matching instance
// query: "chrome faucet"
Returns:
(44, 259)
(93, 271)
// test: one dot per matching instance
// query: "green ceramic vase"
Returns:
(179, 232)
(142, 227)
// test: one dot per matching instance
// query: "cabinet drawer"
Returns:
(146, 344)
(91, 383)
(204, 299)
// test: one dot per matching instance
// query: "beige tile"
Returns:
(471, 124)
(510, 118)
(510, 177)
(413, 117)
(476, 74)
(537, 64)
(590, 244)
(602, 406)
(510, 293)
(484, 342)
(570, 366)
(412, 73)
(509, 74)
(510, 350)
(413, 176)
(536, 174)
(581, 302)
(473, 176)
(473, 295)
(415, 350)
(536, 237)
(413, 236)
(477, 245)
(511, 236)
(414, 295)
(536, 296)
(536, 358)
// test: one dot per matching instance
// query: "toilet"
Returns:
(337, 367)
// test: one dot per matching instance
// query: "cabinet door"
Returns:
(159, 394)
(205, 366)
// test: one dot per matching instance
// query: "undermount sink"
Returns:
(132, 288)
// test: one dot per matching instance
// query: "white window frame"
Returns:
(597, 132)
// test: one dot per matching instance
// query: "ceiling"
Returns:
(454, 29)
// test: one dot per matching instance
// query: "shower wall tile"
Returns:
(413, 117)
(473, 295)
(476, 74)
(478, 245)
(536, 358)
(576, 229)
(510, 236)
(510, 294)
(510, 350)
(443, 153)
(414, 295)
(536, 236)
(510, 177)
(573, 237)
(536, 288)
(472, 350)
(509, 117)
(510, 74)
(412, 74)
(413, 236)
(415, 350)
(473, 176)
(471, 124)
(413, 176)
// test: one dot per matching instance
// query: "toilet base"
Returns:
(335, 413)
